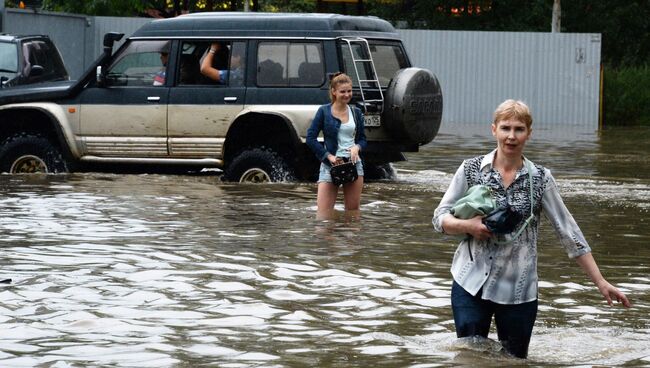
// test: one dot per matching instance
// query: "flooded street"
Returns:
(166, 270)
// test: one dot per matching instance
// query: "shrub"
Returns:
(626, 96)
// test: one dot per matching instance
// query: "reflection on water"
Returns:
(156, 270)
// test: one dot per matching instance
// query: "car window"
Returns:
(388, 60)
(141, 63)
(39, 52)
(8, 59)
(290, 64)
(228, 62)
(387, 57)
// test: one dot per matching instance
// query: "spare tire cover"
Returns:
(413, 106)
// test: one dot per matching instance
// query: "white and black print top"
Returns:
(508, 273)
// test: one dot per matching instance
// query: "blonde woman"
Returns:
(344, 134)
(500, 280)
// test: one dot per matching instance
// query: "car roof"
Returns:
(253, 24)
(6, 37)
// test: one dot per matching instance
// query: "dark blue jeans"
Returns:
(514, 322)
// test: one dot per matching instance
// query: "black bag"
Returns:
(502, 220)
(344, 173)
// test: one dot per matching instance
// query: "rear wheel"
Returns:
(373, 171)
(30, 153)
(258, 165)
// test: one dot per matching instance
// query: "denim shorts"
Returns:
(324, 174)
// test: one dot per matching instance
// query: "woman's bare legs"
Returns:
(326, 197)
(352, 194)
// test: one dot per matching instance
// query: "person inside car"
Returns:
(212, 60)
(159, 77)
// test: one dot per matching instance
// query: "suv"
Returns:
(29, 59)
(149, 104)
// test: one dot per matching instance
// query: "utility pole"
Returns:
(556, 18)
(246, 6)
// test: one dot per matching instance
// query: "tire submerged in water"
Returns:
(31, 153)
(383, 171)
(259, 165)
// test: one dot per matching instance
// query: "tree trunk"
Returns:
(177, 7)
(557, 16)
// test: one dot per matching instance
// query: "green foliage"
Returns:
(626, 96)
(288, 6)
(98, 7)
(625, 26)
(479, 15)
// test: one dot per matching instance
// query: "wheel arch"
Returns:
(35, 120)
(255, 129)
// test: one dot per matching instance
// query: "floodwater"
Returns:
(183, 271)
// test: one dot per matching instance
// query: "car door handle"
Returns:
(153, 98)
(230, 99)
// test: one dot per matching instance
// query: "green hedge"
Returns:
(626, 96)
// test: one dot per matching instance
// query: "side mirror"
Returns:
(36, 71)
(109, 39)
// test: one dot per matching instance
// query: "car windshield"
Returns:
(388, 57)
(8, 58)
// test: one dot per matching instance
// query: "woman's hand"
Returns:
(477, 229)
(611, 293)
(588, 264)
(332, 159)
(354, 153)
(473, 227)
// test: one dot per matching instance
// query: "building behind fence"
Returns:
(557, 74)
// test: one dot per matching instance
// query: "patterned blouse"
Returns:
(508, 273)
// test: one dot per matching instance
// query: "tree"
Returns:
(625, 27)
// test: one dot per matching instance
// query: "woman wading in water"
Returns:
(500, 280)
(344, 135)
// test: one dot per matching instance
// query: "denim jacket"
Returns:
(324, 121)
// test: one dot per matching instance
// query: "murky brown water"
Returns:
(157, 271)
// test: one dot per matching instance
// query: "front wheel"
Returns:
(30, 153)
(258, 166)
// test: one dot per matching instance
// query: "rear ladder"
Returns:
(366, 63)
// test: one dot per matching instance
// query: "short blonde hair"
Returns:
(336, 80)
(513, 109)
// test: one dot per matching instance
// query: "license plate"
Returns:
(372, 120)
